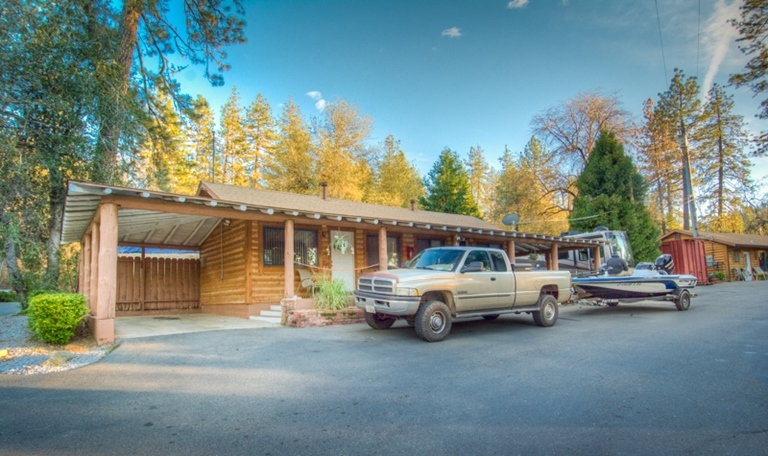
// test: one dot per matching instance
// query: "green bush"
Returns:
(331, 294)
(719, 275)
(54, 316)
(8, 296)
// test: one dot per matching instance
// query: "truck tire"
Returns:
(433, 321)
(547, 314)
(377, 321)
(683, 300)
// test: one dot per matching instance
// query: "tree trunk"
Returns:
(13, 269)
(109, 133)
(54, 236)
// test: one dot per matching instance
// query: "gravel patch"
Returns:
(27, 355)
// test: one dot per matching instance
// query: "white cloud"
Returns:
(517, 4)
(453, 32)
(718, 35)
(318, 97)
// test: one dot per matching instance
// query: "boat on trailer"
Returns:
(644, 284)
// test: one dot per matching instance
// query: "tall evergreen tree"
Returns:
(397, 182)
(447, 186)
(612, 193)
(291, 165)
(261, 135)
(481, 178)
(753, 28)
(234, 154)
(724, 166)
(679, 107)
(201, 129)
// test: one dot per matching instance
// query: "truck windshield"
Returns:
(436, 259)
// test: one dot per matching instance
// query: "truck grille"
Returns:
(376, 285)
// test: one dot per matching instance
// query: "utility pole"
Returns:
(690, 200)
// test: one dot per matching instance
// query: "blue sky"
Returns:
(460, 74)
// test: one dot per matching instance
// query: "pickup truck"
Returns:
(443, 284)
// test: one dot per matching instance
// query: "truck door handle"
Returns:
(493, 279)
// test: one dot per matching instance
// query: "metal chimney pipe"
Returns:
(325, 189)
(413, 205)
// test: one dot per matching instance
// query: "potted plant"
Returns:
(341, 244)
(717, 277)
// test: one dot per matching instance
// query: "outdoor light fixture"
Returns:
(226, 222)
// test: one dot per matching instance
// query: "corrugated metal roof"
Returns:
(153, 227)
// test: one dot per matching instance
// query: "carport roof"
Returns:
(185, 228)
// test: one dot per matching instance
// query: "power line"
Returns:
(663, 58)
(698, 42)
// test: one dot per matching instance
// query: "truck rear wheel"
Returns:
(377, 321)
(548, 311)
(433, 321)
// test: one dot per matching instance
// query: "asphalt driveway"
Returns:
(639, 379)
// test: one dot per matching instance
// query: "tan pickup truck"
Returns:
(443, 284)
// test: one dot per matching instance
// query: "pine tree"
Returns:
(447, 186)
(679, 107)
(342, 156)
(481, 177)
(724, 167)
(234, 154)
(657, 150)
(261, 135)
(202, 133)
(397, 182)
(612, 192)
(291, 165)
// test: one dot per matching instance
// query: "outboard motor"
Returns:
(665, 263)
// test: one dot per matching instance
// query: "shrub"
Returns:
(331, 294)
(719, 275)
(54, 316)
(8, 296)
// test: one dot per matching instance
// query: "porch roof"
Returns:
(167, 219)
(754, 241)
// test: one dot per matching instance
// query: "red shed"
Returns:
(688, 255)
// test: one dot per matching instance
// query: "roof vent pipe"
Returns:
(413, 205)
(325, 189)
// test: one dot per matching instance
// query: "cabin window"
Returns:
(423, 243)
(736, 256)
(304, 246)
(393, 251)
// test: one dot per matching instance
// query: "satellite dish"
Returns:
(510, 220)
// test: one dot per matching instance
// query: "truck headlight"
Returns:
(407, 292)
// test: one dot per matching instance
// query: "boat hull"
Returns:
(632, 287)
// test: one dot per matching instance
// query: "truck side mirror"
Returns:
(475, 266)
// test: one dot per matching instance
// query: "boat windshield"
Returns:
(436, 259)
(620, 244)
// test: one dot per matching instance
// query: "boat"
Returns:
(643, 286)
(647, 281)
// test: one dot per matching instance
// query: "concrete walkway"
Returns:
(161, 325)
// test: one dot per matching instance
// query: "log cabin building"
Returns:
(239, 251)
(735, 255)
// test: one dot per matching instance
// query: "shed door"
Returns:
(343, 257)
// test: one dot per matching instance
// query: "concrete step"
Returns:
(267, 319)
(275, 307)
(270, 313)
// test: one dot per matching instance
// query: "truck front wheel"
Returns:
(377, 321)
(433, 321)
(547, 313)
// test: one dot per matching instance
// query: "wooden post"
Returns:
(553, 261)
(94, 275)
(104, 316)
(383, 256)
(288, 259)
(85, 272)
(511, 251)
(596, 256)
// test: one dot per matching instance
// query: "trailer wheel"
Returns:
(547, 314)
(491, 317)
(612, 304)
(683, 300)
(377, 321)
(433, 321)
